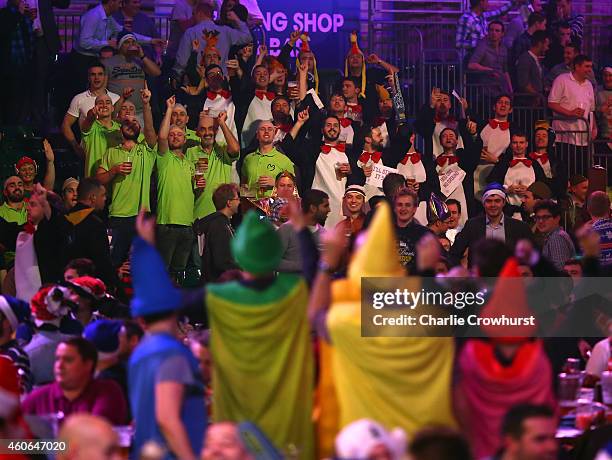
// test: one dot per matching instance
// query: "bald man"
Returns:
(180, 118)
(89, 437)
(224, 443)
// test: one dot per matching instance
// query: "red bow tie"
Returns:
(355, 108)
(449, 119)
(29, 228)
(503, 125)
(378, 121)
(516, 161)
(261, 93)
(326, 148)
(443, 159)
(541, 157)
(365, 157)
(414, 157)
(285, 128)
(223, 93)
(345, 122)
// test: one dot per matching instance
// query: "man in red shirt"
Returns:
(75, 389)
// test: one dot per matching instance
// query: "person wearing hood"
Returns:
(262, 335)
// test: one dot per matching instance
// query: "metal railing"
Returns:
(69, 25)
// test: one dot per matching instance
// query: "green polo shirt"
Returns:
(259, 164)
(130, 193)
(96, 141)
(175, 196)
(16, 216)
(191, 139)
(219, 172)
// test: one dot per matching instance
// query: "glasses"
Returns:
(543, 217)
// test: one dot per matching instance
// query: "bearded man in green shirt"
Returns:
(177, 187)
(127, 168)
(213, 159)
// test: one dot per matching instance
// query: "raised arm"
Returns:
(374, 59)
(149, 66)
(149, 128)
(233, 146)
(49, 180)
(164, 128)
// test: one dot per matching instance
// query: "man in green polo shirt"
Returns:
(261, 167)
(13, 215)
(175, 194)
(180, 119)
(214, 159)
(100, 132)
(127, 168)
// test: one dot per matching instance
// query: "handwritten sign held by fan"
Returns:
(379, 172)
(450, 180)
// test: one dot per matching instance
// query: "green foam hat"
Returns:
(256, 247)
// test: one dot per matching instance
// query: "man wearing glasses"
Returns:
(558, 246)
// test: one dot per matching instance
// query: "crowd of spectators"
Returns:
(270, 189)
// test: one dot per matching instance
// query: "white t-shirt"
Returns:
(598, 362)
(84, 102)
(571, 95)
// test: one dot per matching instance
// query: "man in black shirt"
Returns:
(408, 231)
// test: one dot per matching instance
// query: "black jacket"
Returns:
(218, 233)
(475, 230)
(85, 236)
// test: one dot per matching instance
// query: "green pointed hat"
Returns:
(256, 247)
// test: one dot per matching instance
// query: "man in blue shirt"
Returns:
(228, 37)
(164, 379)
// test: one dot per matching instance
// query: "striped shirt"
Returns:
(21, 360)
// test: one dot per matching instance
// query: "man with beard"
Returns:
(219, 99)
(127, 169)
(213, 159)
(434, 118)
(385, 120)
(180, 118)
(315, 208)
(254, 101)
(86, 231)
(281, 117)
(337, 108)
(175, 194)
(261, 167)
(100, 132)
(328, 166)
(13, 215)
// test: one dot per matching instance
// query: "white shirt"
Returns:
(598, 362)
(84, 102)
(326, 181)
(220, 104)
(571, 94)
(520, 174)
(259, 109)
